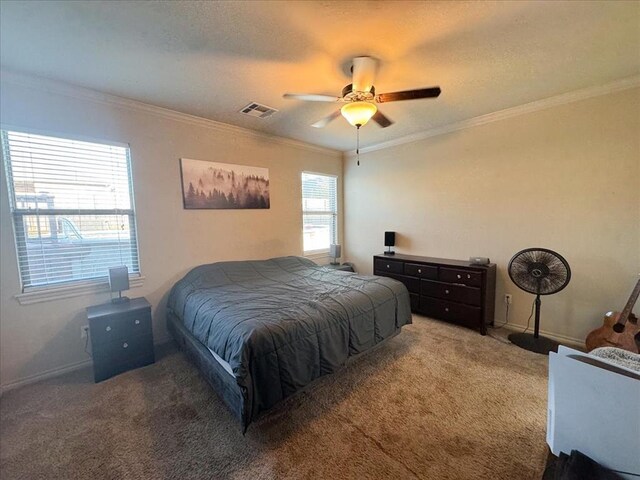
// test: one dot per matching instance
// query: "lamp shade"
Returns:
(358, 113)
(119, 278)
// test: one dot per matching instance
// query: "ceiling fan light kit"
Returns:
(358, 113)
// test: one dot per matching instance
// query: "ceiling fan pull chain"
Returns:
(358, 144)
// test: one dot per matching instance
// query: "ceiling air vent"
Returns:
(258, 110)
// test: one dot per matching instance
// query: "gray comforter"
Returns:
(282, 323)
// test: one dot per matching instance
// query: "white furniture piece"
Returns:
(594, 407)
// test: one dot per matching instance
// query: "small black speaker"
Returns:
(389, 239)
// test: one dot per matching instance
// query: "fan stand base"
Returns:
(529, 342)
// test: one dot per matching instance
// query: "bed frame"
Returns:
(225, 385)
(233, 395)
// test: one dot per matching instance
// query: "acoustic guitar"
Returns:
(620, 329)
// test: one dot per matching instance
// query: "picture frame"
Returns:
(223, 186)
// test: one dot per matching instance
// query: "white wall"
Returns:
(565, 178)
(38, 338)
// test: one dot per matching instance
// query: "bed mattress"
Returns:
(276, 325)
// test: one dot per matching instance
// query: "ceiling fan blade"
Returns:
(381, 119)
(364, 72)
(432, 92)
(325, 121)
(311, 97)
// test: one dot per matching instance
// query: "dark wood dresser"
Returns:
(121, 337)
(451, 290)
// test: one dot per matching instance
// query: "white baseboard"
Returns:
(55, 372)
(563, 339)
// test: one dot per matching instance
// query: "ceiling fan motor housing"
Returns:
(349, 94)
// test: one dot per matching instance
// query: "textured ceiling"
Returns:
(212, 58)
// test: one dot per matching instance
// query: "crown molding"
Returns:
(570, 97)
(81, 93)
(73, 91)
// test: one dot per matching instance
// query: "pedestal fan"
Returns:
(541, 272)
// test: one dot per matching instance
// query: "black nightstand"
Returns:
(121, 337)
(345, 267)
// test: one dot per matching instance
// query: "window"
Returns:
(319, 212)
(72, 208)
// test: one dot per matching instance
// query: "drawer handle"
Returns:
(137, 322)
(419, 271)
(447, 292)
(388, 266)
(459, 276)
(446, 309)
(125, 345)
(108, 329)
(468, 276)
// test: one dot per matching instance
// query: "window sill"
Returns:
(321, 258)
(47, 294)
(317, 254)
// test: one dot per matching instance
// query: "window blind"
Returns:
(319, 211)
(72, 208)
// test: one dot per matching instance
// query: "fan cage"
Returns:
(539, 271)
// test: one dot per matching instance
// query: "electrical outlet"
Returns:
(84, 332)
(507, 298)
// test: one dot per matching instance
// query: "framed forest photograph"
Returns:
(214, 185)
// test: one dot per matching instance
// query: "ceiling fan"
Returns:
(359, 97)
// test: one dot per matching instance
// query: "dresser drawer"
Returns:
(105, 370)
(473, 279)
(448, 291)
(412, 284)
(116, 327)
(422, 271)
(415, 302)
(390, 266)
(122, 350)
(451, 311)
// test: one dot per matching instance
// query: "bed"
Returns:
(261, 331)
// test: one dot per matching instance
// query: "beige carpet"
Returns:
(436, 402)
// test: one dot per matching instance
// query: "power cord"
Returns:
(506, 319)
(499, 339)
(86, 344)
(530, 315)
